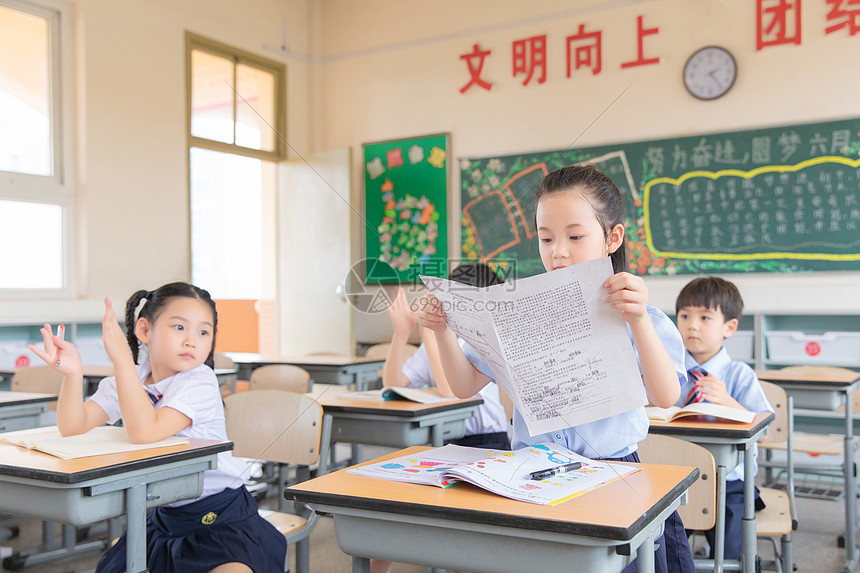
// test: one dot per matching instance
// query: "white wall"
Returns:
(392, 69)
(132, 159)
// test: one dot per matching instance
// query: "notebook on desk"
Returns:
(98, 441)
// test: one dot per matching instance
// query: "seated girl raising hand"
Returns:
(173, 391)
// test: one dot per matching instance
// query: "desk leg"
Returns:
(748, 532)
(850, 489)
(135, 506)
(720, 521)
(360, 565)
(645, 554)
(436, 435)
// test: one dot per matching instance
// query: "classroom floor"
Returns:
(815, 542)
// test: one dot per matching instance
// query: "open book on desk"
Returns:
(506, 473)
(98, 441)
(699, 409)
(422, 395)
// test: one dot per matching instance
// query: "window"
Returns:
(36, 198)
(236, 110)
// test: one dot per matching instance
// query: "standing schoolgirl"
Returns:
(173, 392)
(579, 218)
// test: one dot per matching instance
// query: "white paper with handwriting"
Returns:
(557, 348)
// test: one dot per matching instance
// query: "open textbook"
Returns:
(502, 472)
(561, 353)
(422, 395)
(98, 441)
(699, 409)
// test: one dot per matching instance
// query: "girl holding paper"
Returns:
(579, 218)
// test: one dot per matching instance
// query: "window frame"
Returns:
(58, 188)
(238, 56)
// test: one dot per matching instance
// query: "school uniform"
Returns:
(220, 526)
(488, 428)
(616, 439)
(741, 384)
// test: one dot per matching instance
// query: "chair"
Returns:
(39, 379)
(779, 517)
(284, 377)
(285, 428)
(700, 512)
(222, 361)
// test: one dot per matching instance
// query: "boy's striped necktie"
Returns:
(153, 398)
(695, 374)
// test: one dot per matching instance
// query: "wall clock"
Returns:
(710, 72)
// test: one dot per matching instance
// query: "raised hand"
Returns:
(403, 318)
(113, 337)
(60, 355)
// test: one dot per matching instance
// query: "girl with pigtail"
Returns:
(172, 393)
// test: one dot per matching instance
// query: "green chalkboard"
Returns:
(781, 199)
(406, 208)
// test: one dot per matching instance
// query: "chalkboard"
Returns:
(781, 199)
(405, 209)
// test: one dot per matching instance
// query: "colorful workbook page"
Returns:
(98, 441)
(506, 473)
(699, 409)
(553, 343)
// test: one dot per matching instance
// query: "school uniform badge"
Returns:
(209, 518)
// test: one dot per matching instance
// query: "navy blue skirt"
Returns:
(194, 538)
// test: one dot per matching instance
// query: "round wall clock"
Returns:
(710, 72)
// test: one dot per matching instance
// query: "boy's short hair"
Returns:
(712, 292)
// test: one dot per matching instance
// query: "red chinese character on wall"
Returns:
(475, 68)
(588, 54)
(641, 60)
(529, 55)
(849, 17)
(777, 22)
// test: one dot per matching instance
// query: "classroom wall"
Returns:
(132, 167)
(392, 69)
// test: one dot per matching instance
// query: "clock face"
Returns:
(710, 72)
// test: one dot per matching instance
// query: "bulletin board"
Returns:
(406, 208)
(782, 199)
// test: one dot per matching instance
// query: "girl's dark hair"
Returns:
(475, 274)
(714, 293)
(155, 301)
(600, 192)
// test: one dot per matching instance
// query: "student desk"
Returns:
(87, 490)
(22, 410)
(360, 371)
(465, 528)
(839, 385)
(728, 442)
(394, 423)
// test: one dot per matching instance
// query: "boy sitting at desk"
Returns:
(708, 310)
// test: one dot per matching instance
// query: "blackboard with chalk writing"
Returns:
(782, 199)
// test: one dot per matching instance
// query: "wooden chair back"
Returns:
(700, 511)
(381, 350)
(777, 432)
(42, 379)
(284, 377)
(274, 426)
(223, 361)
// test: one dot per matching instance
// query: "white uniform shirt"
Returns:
(742, 384)
(196, 394)
(490, 416)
